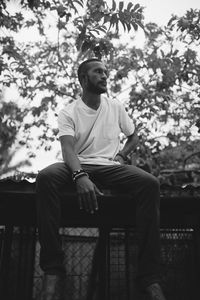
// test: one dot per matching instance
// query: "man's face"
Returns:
(96, 78)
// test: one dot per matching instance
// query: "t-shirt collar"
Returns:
(87, 108)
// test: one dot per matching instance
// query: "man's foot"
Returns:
(53, 287)
(155, 292)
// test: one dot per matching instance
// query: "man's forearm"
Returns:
(69, 156)
(130, 145)
(85, 188)
(71, 159)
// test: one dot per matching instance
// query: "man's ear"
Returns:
(84, 79)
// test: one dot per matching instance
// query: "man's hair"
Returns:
(83, 67)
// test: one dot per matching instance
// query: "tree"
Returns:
(164, 90)
(44, 72)
(162, 78)
(10, 120)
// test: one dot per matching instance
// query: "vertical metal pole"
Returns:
(33, 253)
(197, 252)
(103, 264)
(20, 241)
(127, 262)
(26, 260)
(5, 266)
(108, 236)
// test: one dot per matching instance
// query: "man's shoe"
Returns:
(155, 292)
(53, 287)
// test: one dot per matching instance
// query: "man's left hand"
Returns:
(119, 159)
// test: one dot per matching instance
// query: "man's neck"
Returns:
(91, 100)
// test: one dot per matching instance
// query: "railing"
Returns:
(101, 264)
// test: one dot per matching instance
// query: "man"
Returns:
(89, 131)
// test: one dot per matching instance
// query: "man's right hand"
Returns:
(87, 192)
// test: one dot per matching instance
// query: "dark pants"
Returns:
(54, 180)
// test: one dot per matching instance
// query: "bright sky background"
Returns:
(160, 11)
(157, 11)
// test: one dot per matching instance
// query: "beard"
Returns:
(91, 87)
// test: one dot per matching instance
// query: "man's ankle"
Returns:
(155, 291)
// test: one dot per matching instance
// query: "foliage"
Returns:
(44, 71)
(10, 120)
(189, 25)
(11, 117)
(164, 94)
(162, 79)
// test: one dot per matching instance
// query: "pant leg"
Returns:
(50, 184)
(145, 190)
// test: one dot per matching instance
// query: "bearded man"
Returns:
(89, 132)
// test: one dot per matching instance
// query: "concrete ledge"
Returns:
(17, 207)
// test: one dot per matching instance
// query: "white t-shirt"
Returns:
(96, 132)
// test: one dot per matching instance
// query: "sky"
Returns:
(157, 11)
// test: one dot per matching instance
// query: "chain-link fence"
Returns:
(179, 269)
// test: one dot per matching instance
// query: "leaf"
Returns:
(140, 24)
(91, 34)
(128, 26)
(135, 26)
(135, 7)
(117, 25)
(53, 8)
(124, 25)
(80, 2)
(162, 52)
(173, 18)
(102, 29)
(121, 5)
(175, 52)
(74, 7)
(130, 4)
(113, 5)
(95, 30)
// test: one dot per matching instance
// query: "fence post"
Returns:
(104, 264)
(5, 262)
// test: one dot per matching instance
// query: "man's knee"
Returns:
(153, 182)
(50, 174)
(44, 176)
(151, 186)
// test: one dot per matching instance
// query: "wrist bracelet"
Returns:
(122, 156)
(78, 173)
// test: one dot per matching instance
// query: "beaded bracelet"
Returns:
(80, 175)
(77, 174)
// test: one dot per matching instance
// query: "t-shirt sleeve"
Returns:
(126, 124)
(66, 124)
